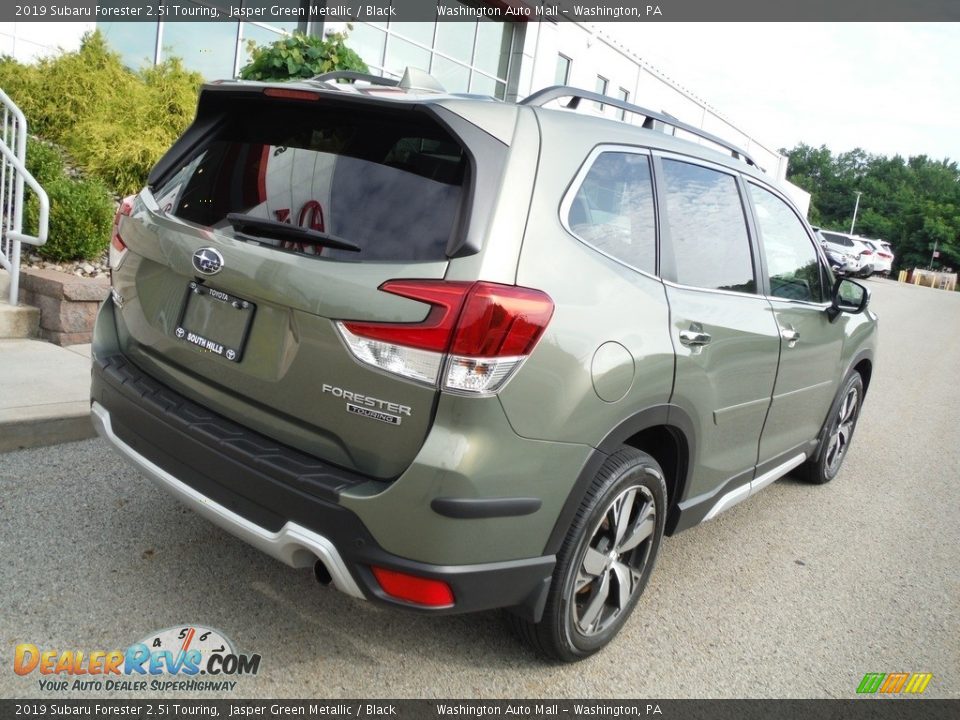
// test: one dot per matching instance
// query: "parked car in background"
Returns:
(861, 254)
(867, 257)
(841, 251)
(882, 256)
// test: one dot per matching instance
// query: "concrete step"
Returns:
(20, 321)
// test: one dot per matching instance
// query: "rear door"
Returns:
(811, 346)
(252, 323)
(724, 333)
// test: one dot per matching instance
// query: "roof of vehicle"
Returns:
(499, 118)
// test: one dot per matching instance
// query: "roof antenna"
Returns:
(417, 79)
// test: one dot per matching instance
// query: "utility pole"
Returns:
(855, 208)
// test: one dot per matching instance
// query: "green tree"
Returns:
(911, 203)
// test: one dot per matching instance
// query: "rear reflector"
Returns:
(117, 247)
(411, 588)
(477, 334)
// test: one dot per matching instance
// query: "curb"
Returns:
(46, 425)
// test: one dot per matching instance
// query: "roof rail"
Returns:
(354, 75)
(555, 92)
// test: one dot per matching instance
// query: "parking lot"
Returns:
(795, 593)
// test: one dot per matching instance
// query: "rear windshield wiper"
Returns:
(265, 227)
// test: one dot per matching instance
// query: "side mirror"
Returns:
(849, 296)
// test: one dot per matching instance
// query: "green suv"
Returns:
(458, 354)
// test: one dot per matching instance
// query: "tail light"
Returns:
(413, 588)
(475, 335)
(117, 247)
(867, 252)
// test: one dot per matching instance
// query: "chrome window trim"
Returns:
(719, 291)
(567, 202)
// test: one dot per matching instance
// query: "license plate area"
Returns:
(215, 321)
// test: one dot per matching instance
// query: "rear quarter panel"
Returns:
(598, 301)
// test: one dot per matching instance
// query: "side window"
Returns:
(613, 209)
(708, 230)
(792, 261)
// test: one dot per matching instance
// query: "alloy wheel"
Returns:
(842, 430)
(614, 560)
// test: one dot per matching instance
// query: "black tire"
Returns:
(627, 476)
(837, 433)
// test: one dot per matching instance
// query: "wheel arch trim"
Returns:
(668, 416)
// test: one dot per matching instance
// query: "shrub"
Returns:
(301, 56)
(81, 216)
(44, 161)
(113, 122)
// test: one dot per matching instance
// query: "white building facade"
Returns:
(508, 60)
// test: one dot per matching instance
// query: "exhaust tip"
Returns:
(322, 574)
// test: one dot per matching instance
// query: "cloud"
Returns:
(886, 87)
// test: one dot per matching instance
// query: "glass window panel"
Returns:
(402, 54)
(708, 231)
(135, 41)
(493, 47)
(613, 209)
(563, 70)
(601, 87)
(456, 39)
(625, 96)
(453, 76)
(274, 19)
(260, 36)
(482, 84)
(368, 42)
(792, 261)
(419, 32)
(207, 47)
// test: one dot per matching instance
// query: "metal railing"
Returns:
(13, 177)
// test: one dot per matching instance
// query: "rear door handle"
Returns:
(694, 337)
(790, 336)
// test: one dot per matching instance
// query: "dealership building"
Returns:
(508, 60)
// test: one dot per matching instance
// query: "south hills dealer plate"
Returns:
(215, 321)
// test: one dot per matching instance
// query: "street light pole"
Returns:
(855, 208)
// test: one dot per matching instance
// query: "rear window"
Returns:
(392, 182)
(837, 239)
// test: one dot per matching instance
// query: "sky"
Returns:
(889, 88)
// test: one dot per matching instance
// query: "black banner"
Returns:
(452, 11)
(862, 709)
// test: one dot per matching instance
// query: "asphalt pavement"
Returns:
(797, 592)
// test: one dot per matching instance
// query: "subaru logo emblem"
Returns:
(208, 261)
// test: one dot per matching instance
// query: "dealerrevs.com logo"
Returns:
(182, 658)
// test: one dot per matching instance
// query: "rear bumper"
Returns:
(278, 499)
(292, 544)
